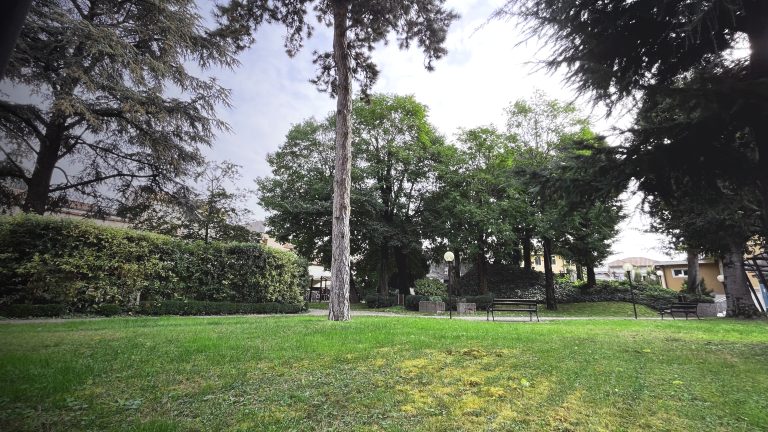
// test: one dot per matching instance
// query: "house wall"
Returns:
(558, 264)
(707, 271)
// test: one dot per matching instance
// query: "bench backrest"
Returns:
(505, 304)
(684, 306)
(514, 301)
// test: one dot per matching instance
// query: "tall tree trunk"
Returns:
(527, 251)
(737, 296)
(549, 277)
(39, 184)
(579, 272)
(457, 274)
(403, 279)
(482, 277)
(756, 27)
(591, 279)
(384, 270)
(338, 308)
(693, 270)
(517, 255)
(13, 17)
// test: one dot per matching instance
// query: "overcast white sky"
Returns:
(486, 68)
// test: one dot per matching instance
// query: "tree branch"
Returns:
(16, 110)
(17, 173)
(99, 179)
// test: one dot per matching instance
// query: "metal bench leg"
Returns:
(530, 316)
(537, 317)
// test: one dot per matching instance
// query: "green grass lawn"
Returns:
(378, 373)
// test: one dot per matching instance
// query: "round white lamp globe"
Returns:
(448, 256)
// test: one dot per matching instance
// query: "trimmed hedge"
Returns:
(32, 310)
(380, 301)
(191, 307)
(84, 265)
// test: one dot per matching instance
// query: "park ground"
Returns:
(383, 373)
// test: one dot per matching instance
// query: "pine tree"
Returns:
(111, 102)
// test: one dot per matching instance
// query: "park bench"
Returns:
(513, 305)
(686, 308)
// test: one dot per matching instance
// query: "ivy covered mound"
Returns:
(508, 281)
(83, 267)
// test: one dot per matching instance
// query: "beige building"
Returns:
(675, 274)
(560, 265)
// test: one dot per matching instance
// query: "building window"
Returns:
(537, 260)
(553, 260)
(679, 273)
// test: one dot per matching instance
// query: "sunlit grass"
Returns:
(375, 373)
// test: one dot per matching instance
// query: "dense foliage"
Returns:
(429, 287)
(83, 265)
(396, 151)
(111, 100)
(698, 147)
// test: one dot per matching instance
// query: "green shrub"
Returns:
(84, 265)
(429, 287)
(30, 310)
(193, 307)
(412, 301)
(109, 309)
(380, 301)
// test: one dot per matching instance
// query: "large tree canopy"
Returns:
(111, 102)
(395, 154)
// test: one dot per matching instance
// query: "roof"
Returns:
(683, 262)
(635, 261)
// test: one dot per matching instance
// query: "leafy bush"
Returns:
(412, 301)
(30, 310)
(649, 294)
(109, 309)
(192, 307)
(84, 265)
(380, 301)
(429, 287)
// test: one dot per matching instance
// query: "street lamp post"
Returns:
(628, 270)
(448, 257)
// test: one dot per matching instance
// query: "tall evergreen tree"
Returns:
(357, 27)
(112, 103)
(616, 51)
